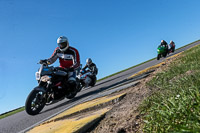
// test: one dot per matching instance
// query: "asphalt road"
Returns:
(21, 121)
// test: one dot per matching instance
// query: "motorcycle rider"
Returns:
(68, 57)
(172, 46)
(91, 67)
(164, 43)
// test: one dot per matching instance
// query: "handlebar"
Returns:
(43, 62)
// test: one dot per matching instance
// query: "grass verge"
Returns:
(11, 112)
(174, 106)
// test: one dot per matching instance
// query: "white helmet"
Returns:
(63, 43)
(89, 61)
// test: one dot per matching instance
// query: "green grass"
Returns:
(11, 112)
(175, 104)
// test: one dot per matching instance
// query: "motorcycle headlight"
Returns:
(37, 76)
(45, 78)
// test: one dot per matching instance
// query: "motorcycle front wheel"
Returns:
(34, 102)
(158, 57)
(165, 54)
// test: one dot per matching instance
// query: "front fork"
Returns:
(48, 91)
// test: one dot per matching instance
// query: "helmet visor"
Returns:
(62, 45)
(89, 61)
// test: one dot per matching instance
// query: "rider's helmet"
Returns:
(63, 43)
(162, 41)
(89, 61)
(171, 41)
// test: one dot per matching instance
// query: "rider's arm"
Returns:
(76, 58)
(86, 66)
(93, 68)
(53, 57)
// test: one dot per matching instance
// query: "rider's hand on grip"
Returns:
(82, 71)
(43, 62)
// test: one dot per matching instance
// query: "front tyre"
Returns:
(165, 54)
(158, 56)
(34, 102)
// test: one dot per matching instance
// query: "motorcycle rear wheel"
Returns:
(173, 50)
(71, 95)
(34, 102)
(93, 82)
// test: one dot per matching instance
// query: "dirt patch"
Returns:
(124, 116)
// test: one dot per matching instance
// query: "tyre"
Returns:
(158, 57)
(92, 84)
(173, 50)
(71, 95)
(165, 54)
(93, 81)
(34, 102)
(79, 85)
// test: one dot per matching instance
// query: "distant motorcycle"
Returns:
(86, 79)
(172, 48)
(52, 86)
(162, 52)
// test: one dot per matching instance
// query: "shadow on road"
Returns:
(84, 95)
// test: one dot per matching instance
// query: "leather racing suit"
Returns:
(68, 59)
(92, 68)
(93, 72)
(164, 43)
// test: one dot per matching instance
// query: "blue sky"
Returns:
(116, 34)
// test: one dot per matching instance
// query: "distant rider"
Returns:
(164, 43)
(90, 67)
(172, 46)
(68, 57)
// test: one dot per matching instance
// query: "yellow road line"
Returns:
(69, 125)
(146, 70)
(86, 105)
(61, 123)
(152, 67)
(174, 55)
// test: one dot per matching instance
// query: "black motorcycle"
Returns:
(52, 86)
(86, 77)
